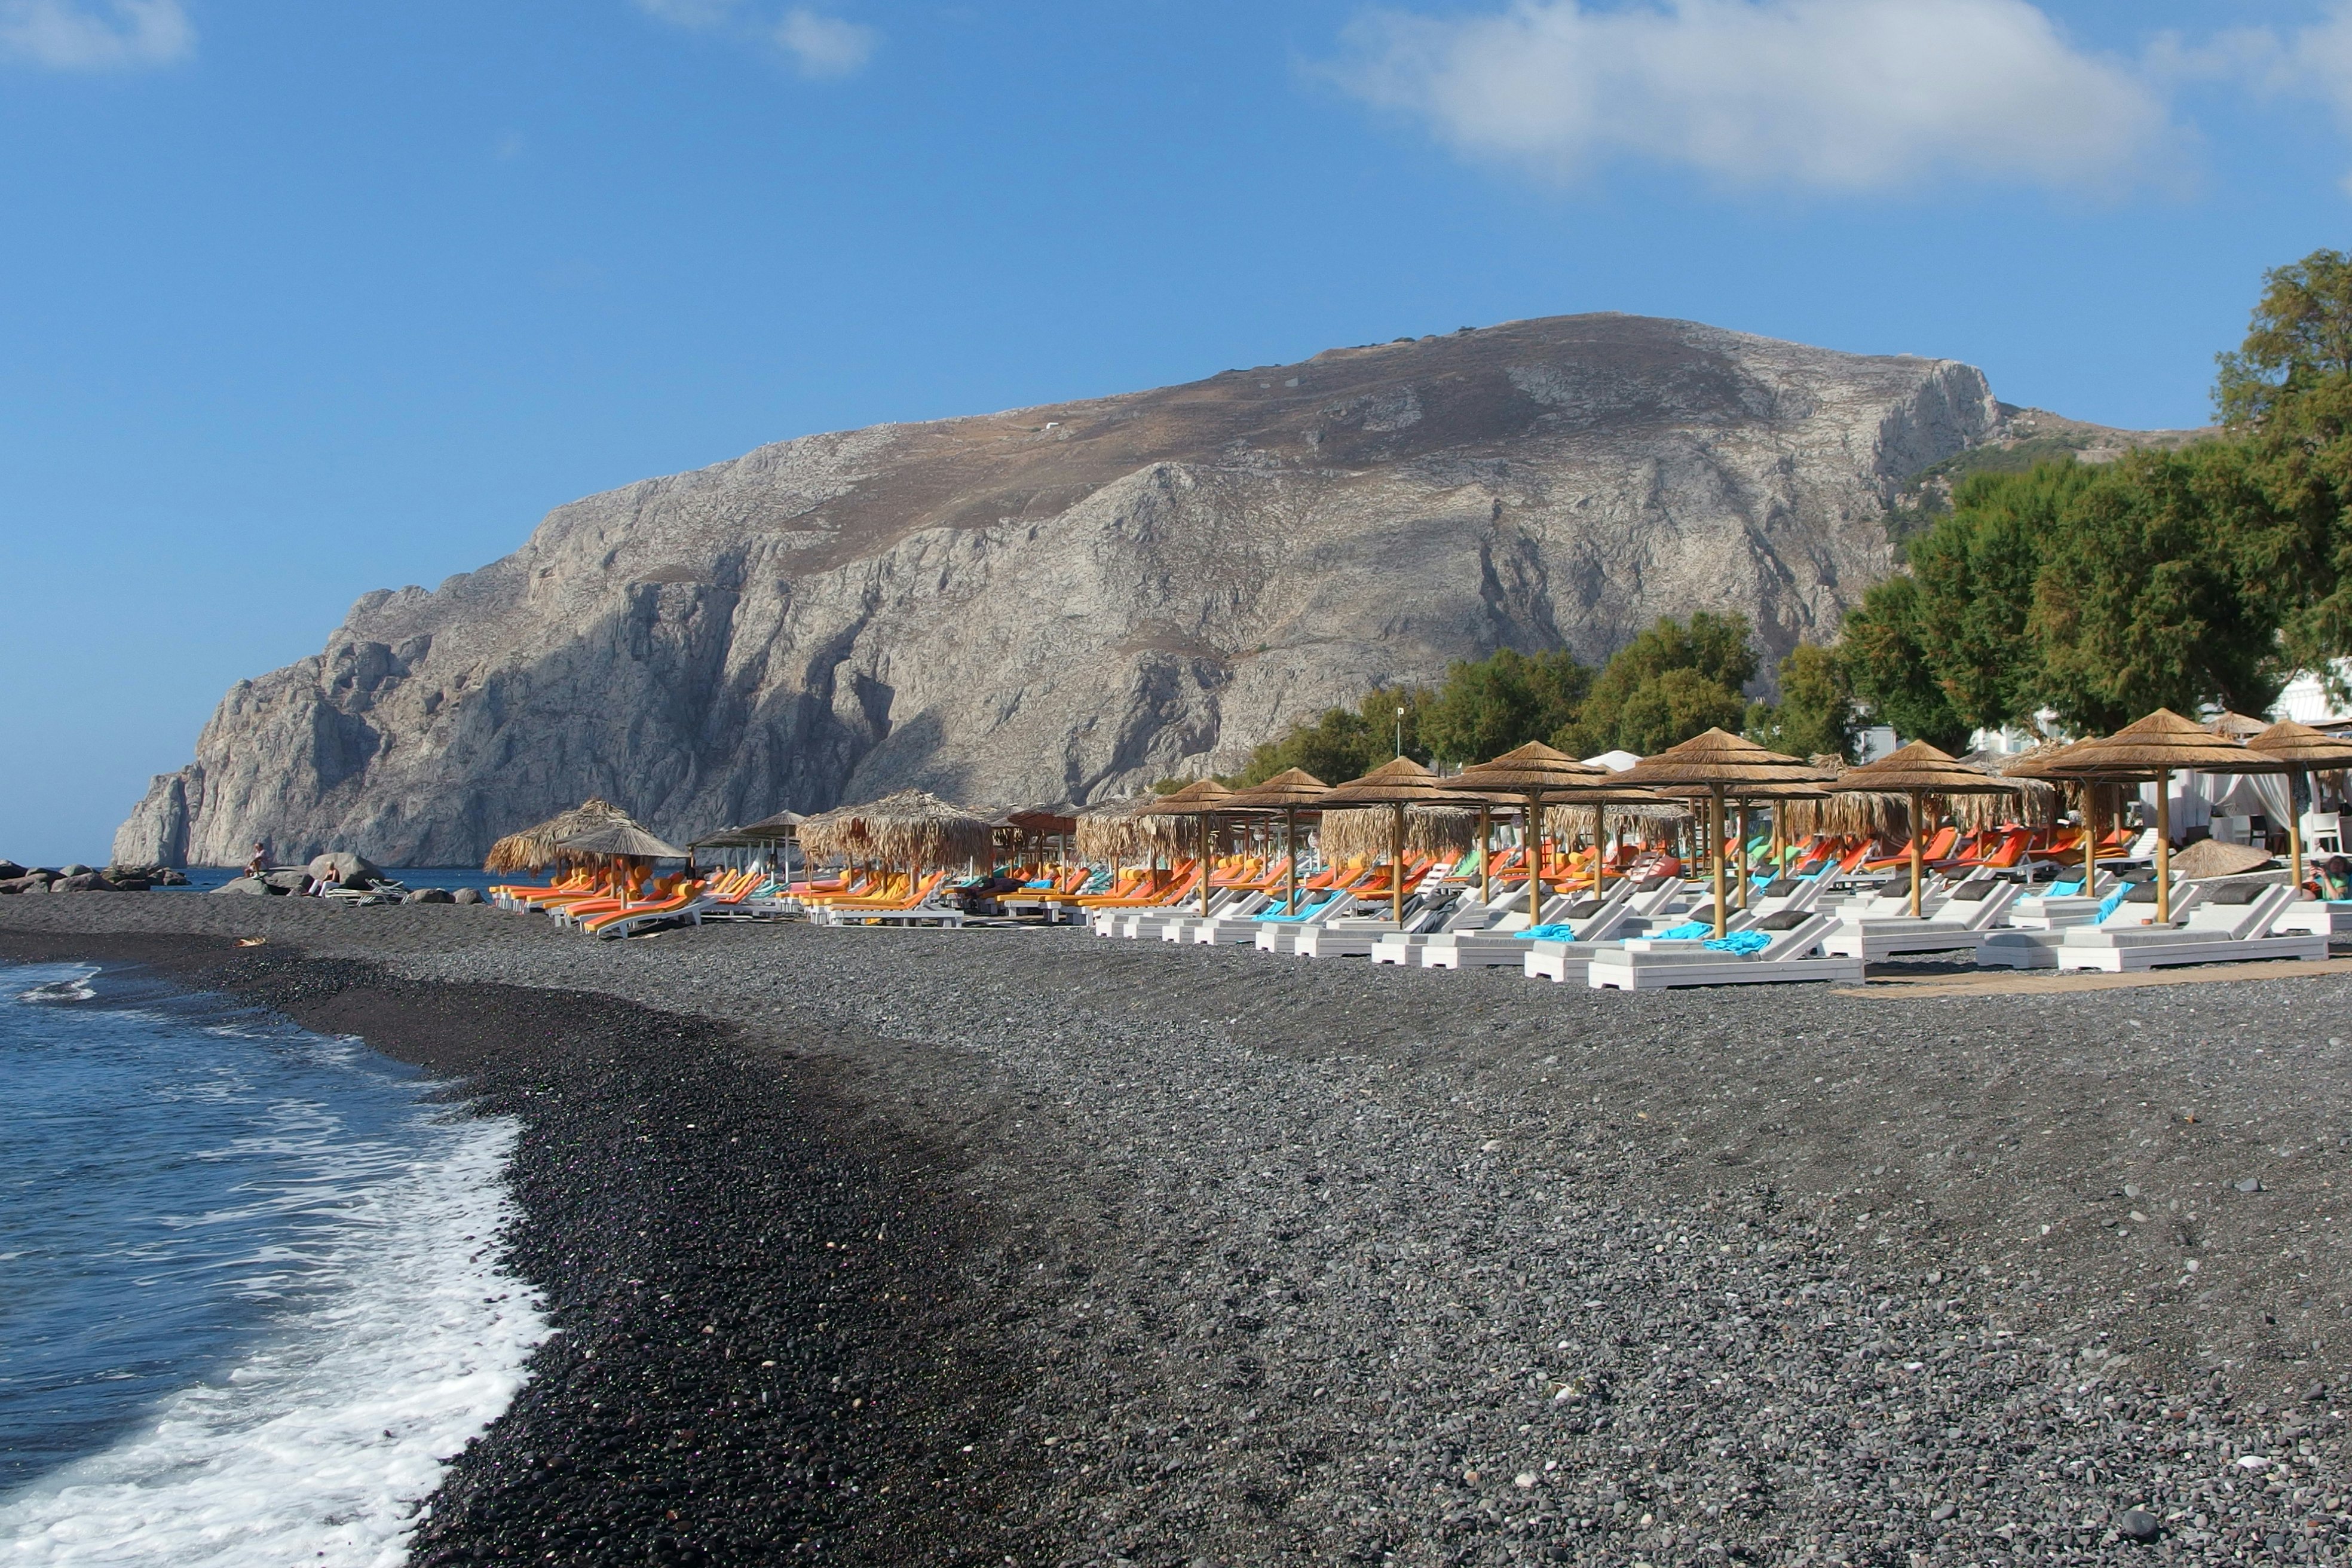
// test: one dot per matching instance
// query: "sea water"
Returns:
(251, 1295)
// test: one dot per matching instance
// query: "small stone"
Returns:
(2252, 1461)
(1470, 1478)
(2130, 1191)
(1523, 1480)
(2249, 1184)
(1942, 1512)
(2138, 1524)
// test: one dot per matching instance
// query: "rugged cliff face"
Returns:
(1060, 602)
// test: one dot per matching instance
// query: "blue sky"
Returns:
(299, 301)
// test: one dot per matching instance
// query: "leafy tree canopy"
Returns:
(1675, 681)
(1488, 706)
(1815, 715)
(2287, 394)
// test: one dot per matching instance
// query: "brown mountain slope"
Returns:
(1064, 602)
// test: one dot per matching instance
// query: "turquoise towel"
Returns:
(2107, 905)
(2065, 889)
(1742, 941)
(1689, 928)
(1549, 933)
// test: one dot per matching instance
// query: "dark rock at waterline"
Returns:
(296, 881)
(10, 871)
(466, 895)
(84, 882)
(249, 885)
(25, 885)
(123, 876)
(341, 869)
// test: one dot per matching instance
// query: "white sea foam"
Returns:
(319, 1446)
(75, 990)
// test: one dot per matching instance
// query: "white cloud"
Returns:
(1847, 96)
(101, 35)
(817, 44)
(699, 14)
(824, 45)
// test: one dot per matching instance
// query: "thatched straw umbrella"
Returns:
(1395, 784)
(2236, 726)
(1117, 829)
(535, 848)
(624, 839)
(1534, 775)
(1364, 831)
(1918, 771)
(1720, 762)
(909, 828)
(1784, 797)
(2156, 745)
(1290, 792)
(1198, 800)
(2303, 749)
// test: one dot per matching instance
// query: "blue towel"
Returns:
(1549, 933)
(1689, 928)
(2107, 905)
(1741, 942)
(2065, 889)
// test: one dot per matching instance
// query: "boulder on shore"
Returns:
(295, 881)
(25, 885)
(341, 869)
(466, 895)
(10, 871)
(83, 882)
(251, 885)
(429, 896)
(76, 869)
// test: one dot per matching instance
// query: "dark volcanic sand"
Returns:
(1217, 1257)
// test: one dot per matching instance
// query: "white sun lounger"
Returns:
(1592, 920)
(2232, 924)
(1651, 964)
(2055, 911)
(1972, 909)
(1282, 935)
(2019, 949)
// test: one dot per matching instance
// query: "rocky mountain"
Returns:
(1067, 602)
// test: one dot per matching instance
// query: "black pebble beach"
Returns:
(987, 1247)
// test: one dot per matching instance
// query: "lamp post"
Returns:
(1400, 751)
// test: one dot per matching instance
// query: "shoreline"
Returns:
(736, 1371)
(1242, 1259)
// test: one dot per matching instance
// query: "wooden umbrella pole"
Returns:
(1722, 915)
(1290, 852)
(1918, 854)
(1485, 853)
(1599, 847)
(1204, 864)
(1396, 869)
(1743, 855)
(2294, 830)
(2090, 835)
(2164, 848)
(1535, 863)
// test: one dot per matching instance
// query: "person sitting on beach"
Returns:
(2335, 876)
(979, 897)
(260, 861)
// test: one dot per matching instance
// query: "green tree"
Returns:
(2287, 393)
(1976, 572)
(1632, 702)
(1673, 705)
(1885, 651)
(1815, 715)
(2143, 599)
(1487, 707)
(1342, 743)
